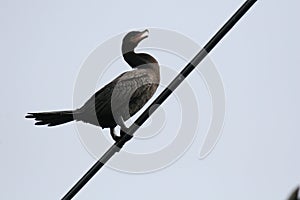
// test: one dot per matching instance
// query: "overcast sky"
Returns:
(43, 45)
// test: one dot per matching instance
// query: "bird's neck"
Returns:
(141, 60)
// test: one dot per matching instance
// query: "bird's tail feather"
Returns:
(52, 118)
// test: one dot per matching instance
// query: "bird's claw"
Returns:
(116, 137)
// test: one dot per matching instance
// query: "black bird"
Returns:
(120, 99)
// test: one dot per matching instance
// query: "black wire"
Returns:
(160, 99)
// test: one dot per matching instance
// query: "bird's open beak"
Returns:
(144, 34)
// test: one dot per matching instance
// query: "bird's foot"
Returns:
(116, 137)
(123, 127)
(123, 131)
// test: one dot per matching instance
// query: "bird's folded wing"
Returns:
(116, 94)
(129, 86)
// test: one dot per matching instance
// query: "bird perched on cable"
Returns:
(120, 99)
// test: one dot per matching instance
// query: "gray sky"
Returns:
(43, 45)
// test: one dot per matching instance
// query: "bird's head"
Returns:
(132, 39)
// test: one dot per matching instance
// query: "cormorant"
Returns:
(120, 99)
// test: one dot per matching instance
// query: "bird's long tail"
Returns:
(52, 118)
